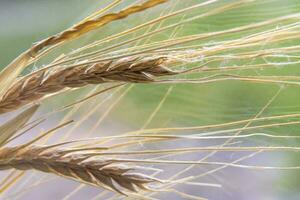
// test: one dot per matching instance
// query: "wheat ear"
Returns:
(38, 85)
(80, 167)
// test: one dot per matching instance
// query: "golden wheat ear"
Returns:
(38, 85)
(83, 168)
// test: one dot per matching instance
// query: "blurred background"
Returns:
(129, 108)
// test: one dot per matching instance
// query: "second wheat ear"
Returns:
(79, 167)
(38, 85)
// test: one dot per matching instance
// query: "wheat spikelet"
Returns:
(79, 167)
(43, 83)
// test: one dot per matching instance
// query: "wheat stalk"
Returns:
(45, 82)
(92, 24)
(80, 167)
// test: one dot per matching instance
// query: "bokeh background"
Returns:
(23, 22)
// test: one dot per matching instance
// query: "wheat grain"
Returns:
(79, 167)
(38, 85)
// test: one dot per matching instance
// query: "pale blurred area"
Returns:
(25, 21)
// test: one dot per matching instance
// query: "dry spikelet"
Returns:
(38, 85)
(79, 167)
